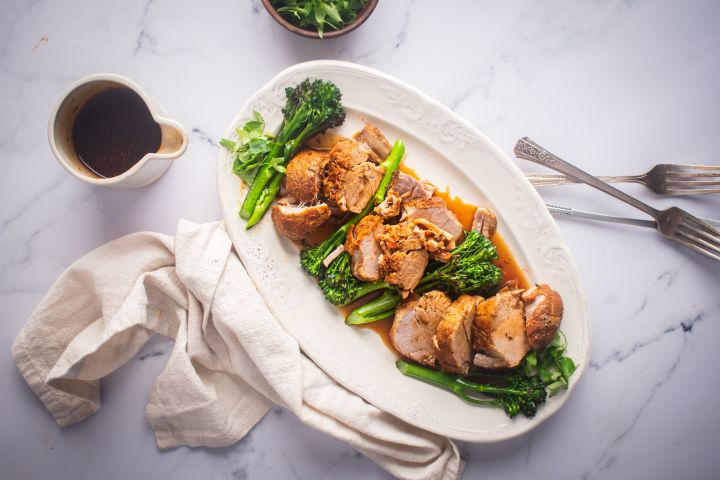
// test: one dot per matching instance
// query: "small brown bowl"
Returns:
(359, 20)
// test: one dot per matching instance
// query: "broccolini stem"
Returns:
(377, 309)
(265, 199)
(391, 164)
(451, 382)
(262, 177)
(432, 376)
(368, 287)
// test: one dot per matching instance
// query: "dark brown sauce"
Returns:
(381, 327)
(324, 141)
(113, 131)
(510, 268)
(317, 236)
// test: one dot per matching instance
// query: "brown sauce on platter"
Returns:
(113, 131)
(381, 327)
(323, 141)
(510, 268)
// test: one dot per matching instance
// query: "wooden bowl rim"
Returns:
(359, 20)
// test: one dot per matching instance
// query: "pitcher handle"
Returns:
(174, 139)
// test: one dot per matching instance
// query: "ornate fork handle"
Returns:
(549, 179)
(529, 150)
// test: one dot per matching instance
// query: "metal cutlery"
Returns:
(663, 179)
(673, 223)
(560, 211)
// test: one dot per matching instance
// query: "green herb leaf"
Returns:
(332, 12)
(556, 386)
(251, 148)
(228, 144)
(567, 367)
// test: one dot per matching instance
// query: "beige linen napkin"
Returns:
(231, 359)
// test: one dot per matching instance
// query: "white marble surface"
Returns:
(612, 86)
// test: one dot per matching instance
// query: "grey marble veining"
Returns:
(612, 86)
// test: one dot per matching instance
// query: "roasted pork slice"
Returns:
(362, 245)
(373, 137)
(351, 180)
(360, 185)
(409, 187)
(390, 207)
(435, 211)
(404, 269)
(400, 237)
(403, 188)
(414, 326)
(304, 175)
(416, 234)
(543, 313)
(297, 222)
(348, 153)
(452, 337)
(499, 338)
(484, 221)
(438, 242)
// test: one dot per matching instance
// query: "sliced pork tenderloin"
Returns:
(403, 188)
(406, 249)
(351, 179)
(435, 211)
(499, 337)
(453, 335)
(373, 137)
(404, 269)
(484, 221)
(543, 314)
(362, 245)
(303, 180)
(297, 222)
(360, 185)
(414, 326)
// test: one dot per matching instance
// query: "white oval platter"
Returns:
(448, 151)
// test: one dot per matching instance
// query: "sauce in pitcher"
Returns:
(113, 131)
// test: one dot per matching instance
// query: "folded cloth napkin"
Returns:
(231, 359)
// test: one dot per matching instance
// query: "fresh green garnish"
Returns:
(252, 147)
(551, 365)
(319, 14)
(521, 390)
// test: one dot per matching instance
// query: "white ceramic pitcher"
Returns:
(151, 167)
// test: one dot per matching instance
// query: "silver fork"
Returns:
(663, 179)
(674, 223)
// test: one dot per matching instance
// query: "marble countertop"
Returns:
(612, 86)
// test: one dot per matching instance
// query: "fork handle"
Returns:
(550, 179)
(529, 150)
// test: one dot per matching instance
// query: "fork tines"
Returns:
(699, 236)
(688, 179)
